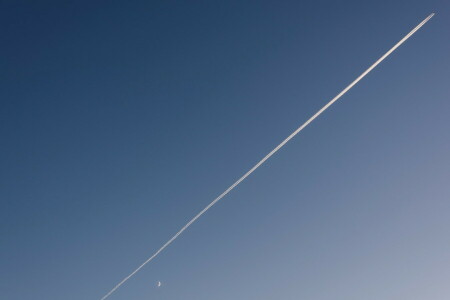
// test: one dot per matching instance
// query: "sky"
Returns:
(120, 120)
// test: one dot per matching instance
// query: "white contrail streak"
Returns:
(270, 154)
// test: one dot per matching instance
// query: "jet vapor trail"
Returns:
(271, 153)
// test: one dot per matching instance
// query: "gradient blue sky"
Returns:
(120, 120)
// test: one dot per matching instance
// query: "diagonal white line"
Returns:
(271, 153)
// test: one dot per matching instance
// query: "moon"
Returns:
(158, 284)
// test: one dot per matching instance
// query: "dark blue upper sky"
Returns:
(120, 120)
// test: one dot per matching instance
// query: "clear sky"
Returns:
(120, 120)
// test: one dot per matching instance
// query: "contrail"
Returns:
(270, 154)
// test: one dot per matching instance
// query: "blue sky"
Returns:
(121, 120)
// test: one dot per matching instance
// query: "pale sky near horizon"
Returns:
(122, 120)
